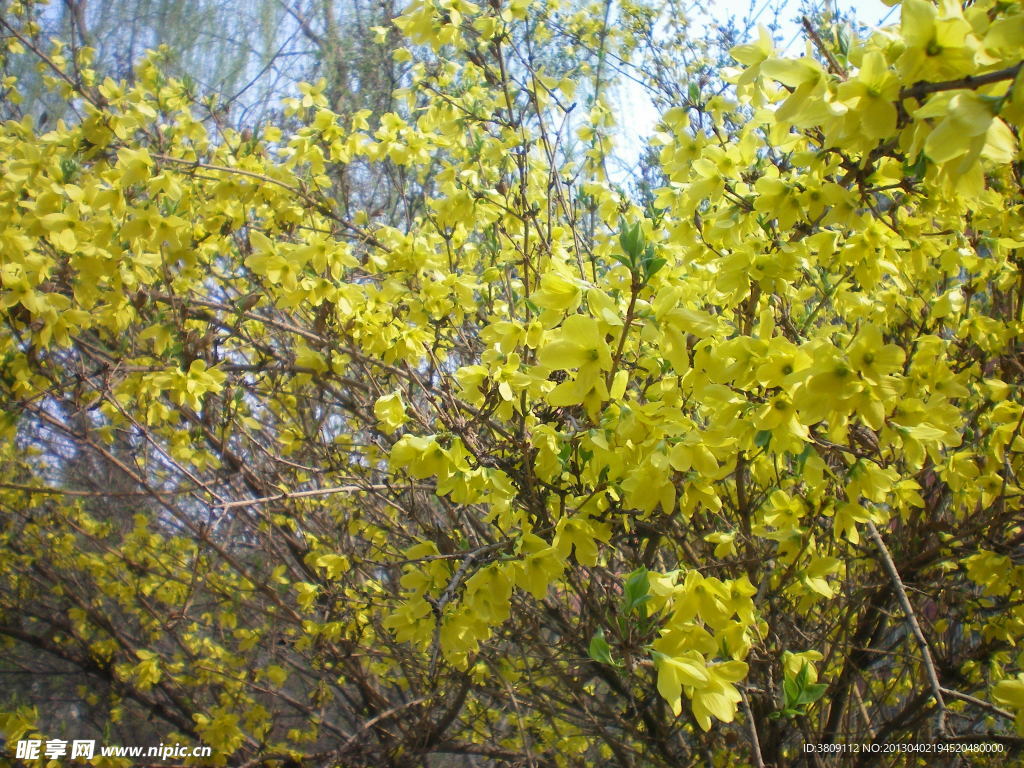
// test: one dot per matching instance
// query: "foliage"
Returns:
(529, 472)
(216, 45)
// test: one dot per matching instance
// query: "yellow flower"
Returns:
(872, 358)
(872, 95)
(938, 47)
(783, 364)
(675, 672)
(577, 344)
(718, 697)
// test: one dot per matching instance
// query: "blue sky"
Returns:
(869, 12)
(633, 102)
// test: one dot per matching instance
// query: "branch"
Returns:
(970, 82)
(472, 557)
(319, 205)
(834, 66)
(299, 495)
(304, 25)
(634, 292)
(915, 627)
(77, 10)
(977, 702)
(83, 494)
(76, 87)
(755, 742)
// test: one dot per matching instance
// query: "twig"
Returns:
(456, 580)
(968, 82)
(833, 64)
(864, 712)
(915, 627)
(388, 713)
(300, 495)
(76, 87)
(319, 205)
(304, 25)
(83, 494)
(445, 598)
(755, 742)
(634, 292)
(977, 702)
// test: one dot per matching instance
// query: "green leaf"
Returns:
(631, 238)
(917, 169)
(791, 692)
(812, 693)
(623, 260)
(801, 677)
(599, 649)
(801, 458)
(68, 168)
(635, 592)
(798, 693)
(649, 261)
(564, 452)
(651, 267)
(843, 39)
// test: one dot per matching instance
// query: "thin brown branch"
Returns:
(316, 204)
(300, 495)
(833, 64)
(970, 82)
(915, 626)
(977, 702)
(76, 87)
(47, 490)
(755, 741)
